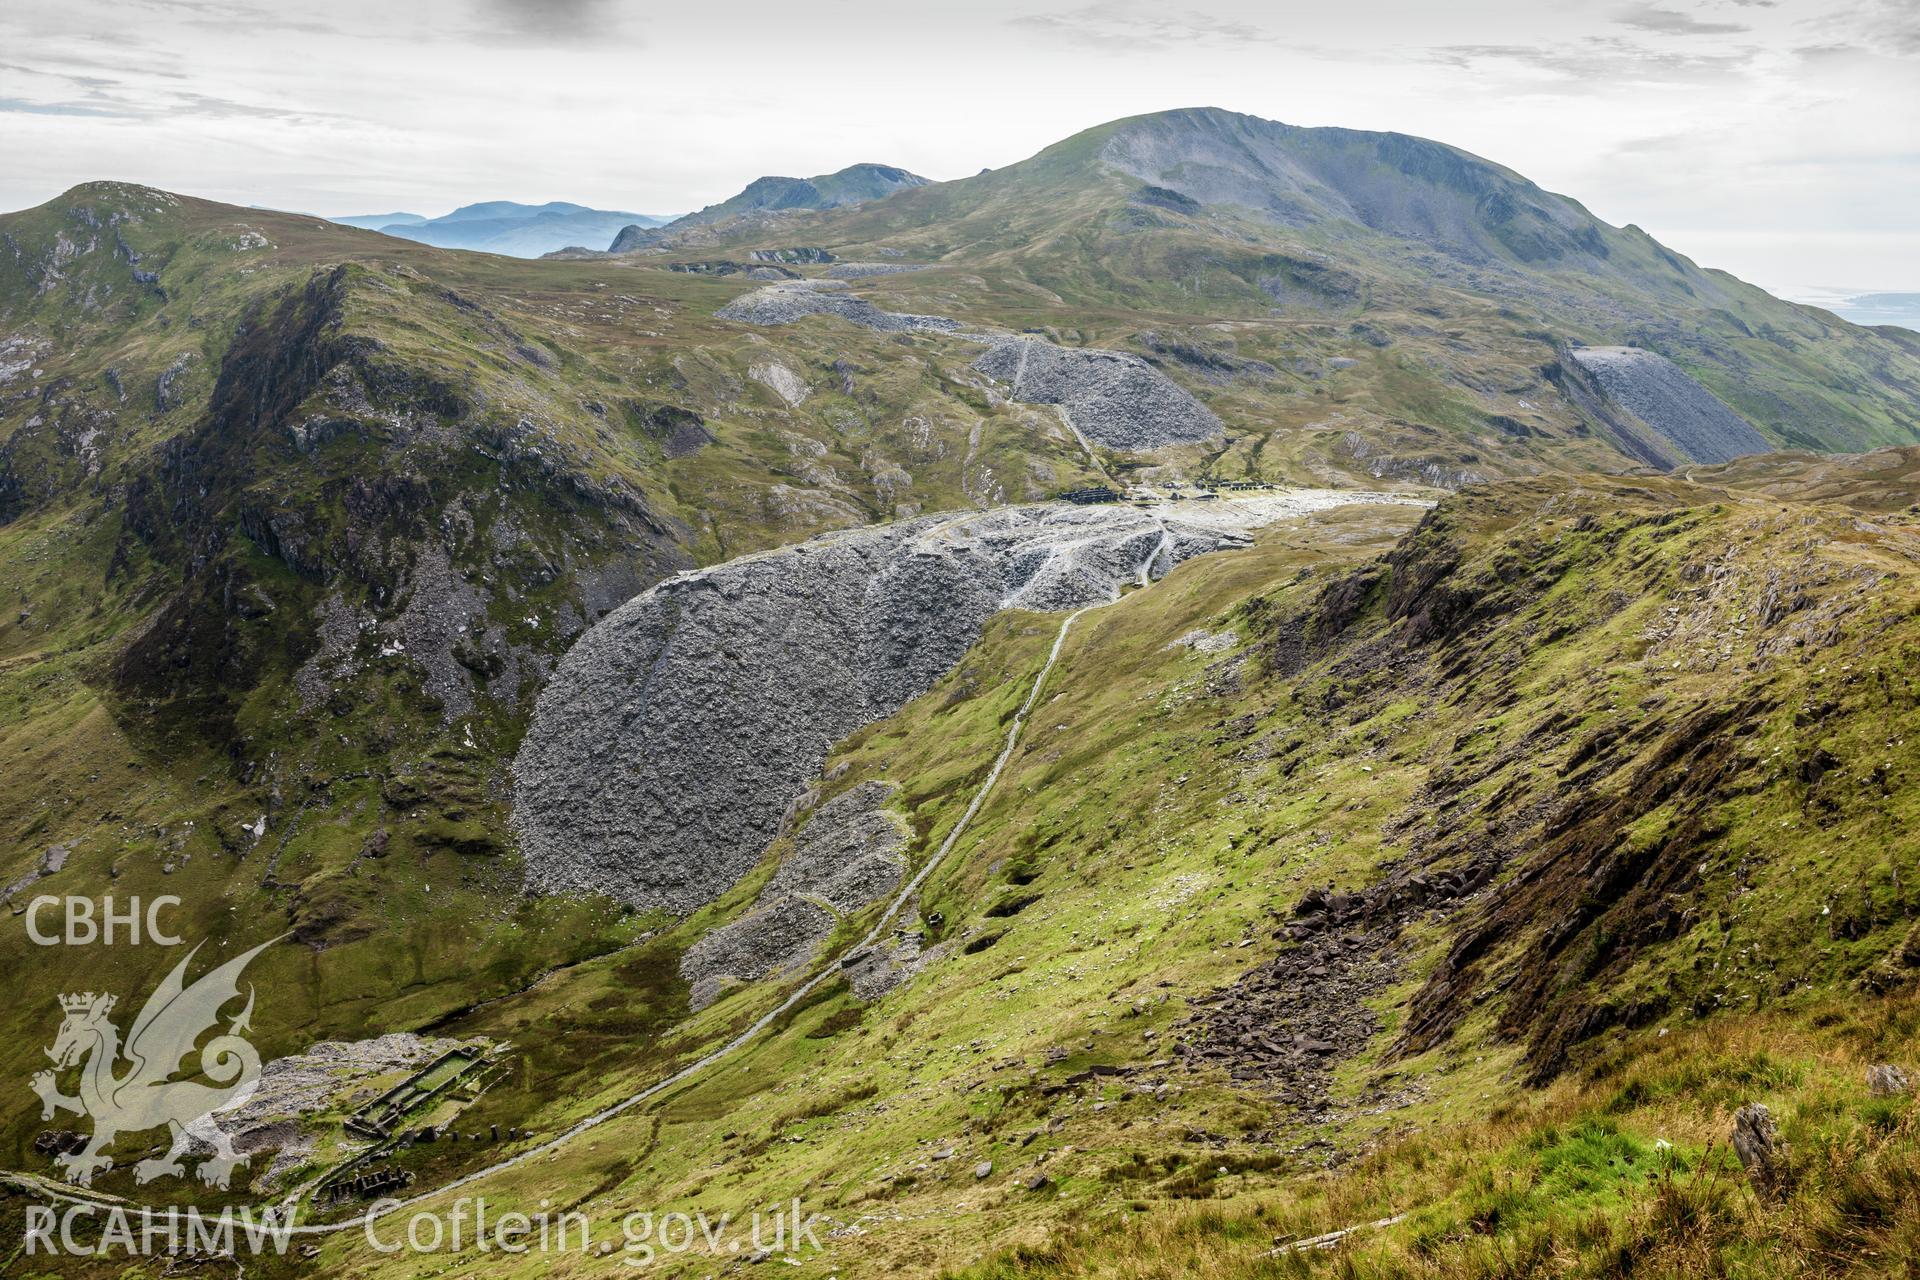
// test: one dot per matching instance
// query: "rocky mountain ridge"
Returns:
(853, 185)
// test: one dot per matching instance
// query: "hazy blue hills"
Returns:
(1902, 309)
(507, 227)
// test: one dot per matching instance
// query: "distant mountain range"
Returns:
(507, 227)
(856, 184)
(380, 221)
(1901, 309)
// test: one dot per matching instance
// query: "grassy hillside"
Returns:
(1473, 872)
(1444, 868)
(1630, 804)
(294, 519)
(1430, 266)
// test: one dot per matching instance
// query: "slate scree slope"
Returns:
(676, 734)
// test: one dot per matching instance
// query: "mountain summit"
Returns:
(1389, 182)
(1345, 235)
(853, 185)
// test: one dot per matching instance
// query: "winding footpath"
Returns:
(383, 1209)
(1257, 512)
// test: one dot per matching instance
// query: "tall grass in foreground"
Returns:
(1623, 1169)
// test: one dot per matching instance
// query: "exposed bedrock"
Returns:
(678, 731)
(1112, 398)
(1660, 394)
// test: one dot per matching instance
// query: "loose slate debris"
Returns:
(786, 303)
(1284, 1025)
(669, 744)
(1660, 393)
(1112, 398)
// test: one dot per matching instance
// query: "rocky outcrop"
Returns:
(1112, 398)
(780, 380)
(1680, 412)
(676, 733)
(798, 255)
(1756, 1140)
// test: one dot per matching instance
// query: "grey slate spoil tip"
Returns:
(676, 733)
(1661, 394)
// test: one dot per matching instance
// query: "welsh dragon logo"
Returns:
(128, 1088)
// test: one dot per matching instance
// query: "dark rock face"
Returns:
(631, 237)
(1756, 1140)
(1657, 392)
(1112, 398)
(404, 556)
(1214, 360)
(680, 431)
(676, 733)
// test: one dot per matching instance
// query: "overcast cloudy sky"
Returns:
(1777, 138)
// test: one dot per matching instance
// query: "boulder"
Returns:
(1884, 1080)
(1756, 1140)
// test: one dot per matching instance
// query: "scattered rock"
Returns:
(1884, 1080)
(1285, 1024)
(1204, 641)
(861, 270)
(786, 303)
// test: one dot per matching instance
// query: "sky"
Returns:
(1779, 139)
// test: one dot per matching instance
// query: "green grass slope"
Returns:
(1607, 782)
(1338, 243)
(295, 518)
